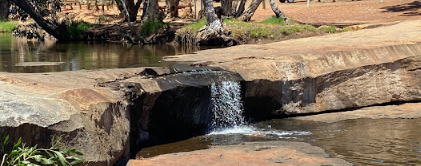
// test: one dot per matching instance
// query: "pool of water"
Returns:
(21, 55)
(360, 141)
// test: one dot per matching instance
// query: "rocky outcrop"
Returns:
(107, 113)
(317, 74)
(92, 119)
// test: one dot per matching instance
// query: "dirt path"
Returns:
(340, 12)
(352, 12)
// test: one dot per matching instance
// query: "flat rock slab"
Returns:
(307, 49)
(248, 154)
(31, 64)
(404, 111)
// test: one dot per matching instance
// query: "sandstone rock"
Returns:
(332, 72)
(254, 153)
(94, 120)
(106, 113)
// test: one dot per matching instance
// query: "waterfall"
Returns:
(227, 106)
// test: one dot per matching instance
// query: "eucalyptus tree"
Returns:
(151, 11)
(51, 23)
(246, 15)
(131, 6)
(276, 10)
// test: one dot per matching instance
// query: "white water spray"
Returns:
(227, 105)
(227, 108)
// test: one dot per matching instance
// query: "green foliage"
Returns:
(329, 29)
(8, 26)
(76, 29)
(22, 155)
(149, 27)
(274, 20)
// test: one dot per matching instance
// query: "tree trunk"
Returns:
(246, 16)
(151, 10)
(51, 26)
(276, 10)
(226, 6)
(212, 20)
(171, 10)
(120, 8)
(4, 9)
(132, 8)
(241, 8)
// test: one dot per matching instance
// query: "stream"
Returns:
(359, 141)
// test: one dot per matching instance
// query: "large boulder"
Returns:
(106, 114)
(93, 119)
(332, 72)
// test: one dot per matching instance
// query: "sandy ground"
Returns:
(359, 12)
(327, 12)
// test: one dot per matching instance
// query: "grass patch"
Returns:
(274, 21)
(328, 29)
(8, 26)
(273, 28)
(196, 26)
(149, 27)
(77, 29)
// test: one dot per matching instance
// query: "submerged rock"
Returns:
(251, 153)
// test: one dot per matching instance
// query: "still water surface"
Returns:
(21, 55)
(359, 141)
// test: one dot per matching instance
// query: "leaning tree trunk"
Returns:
(226, 6)
(171, 11)
(246, 16)
(276, 10)
(51, 26)
(4, 9)
(241, 8)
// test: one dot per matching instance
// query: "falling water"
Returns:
(227, 105)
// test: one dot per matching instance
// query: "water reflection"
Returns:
(359, 141)
(15, 53)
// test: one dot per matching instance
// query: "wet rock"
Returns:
(402, 111)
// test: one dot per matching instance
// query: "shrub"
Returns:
(149, 27)
(33, 156)
(77, 29)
